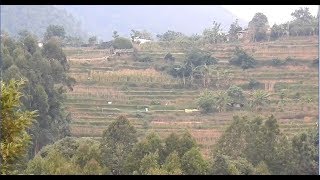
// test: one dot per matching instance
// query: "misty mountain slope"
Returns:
(36, 18)
(103, 20)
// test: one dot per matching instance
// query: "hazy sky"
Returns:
(275, 13)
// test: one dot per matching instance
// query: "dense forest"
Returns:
(36, 134)
(44, 71)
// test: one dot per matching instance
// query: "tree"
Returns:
(53, 164)
(69, 156)
(122, 43)
(54, 30)
(206, 102)
(169, 36)
(14, 125)
(236, 94)
(258, 26)
(171, 143)
(172, 164)
(117, 143)
(210, 102)
(259, 99)
(192, 163)
(149, 163)
(212, 35)
(140, 34)
(242, 59)
(305, 147)
(92, 40)
(115, 35)
(186, 142)
(46, 73)
(225, 165)
(257, 140)
(233, 31)
(304, 24)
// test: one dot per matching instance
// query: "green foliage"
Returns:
(305, 147)
(259, 25)
(278, 31)
(206, 102)
(254, 84)
(14, 125)
(192, 163)
(210, 102)
(54, 31)
(170, 36)
(234, 29)
(122, 43)
(172, 164)
(225, 165)
(149, 163)
(145, 58)
(256, 140)
(277, 62)
(117, 143)
(141, 34)
(92, 40)
(115, 34)
(262, 169)
(212, 35)
(242, 59)
(46, 73)
(236, 94)
(259, 99)
(169, 57)
(304, 24)
(69, 156)
(197, 58)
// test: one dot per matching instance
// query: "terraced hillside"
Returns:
(155, 101)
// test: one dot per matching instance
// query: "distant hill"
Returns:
(36, 18)
(103, 20)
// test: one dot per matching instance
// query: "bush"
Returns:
(145, 59)
(206, 102)
(169, 57)
(153, 102)
(242, 59)
(277, 62)
(254, 84)
(291, 61)
(122, 43)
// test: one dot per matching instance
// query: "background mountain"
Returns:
(36, 18)
(103, 20)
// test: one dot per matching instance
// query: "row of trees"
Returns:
(248, 146)
(303, 24)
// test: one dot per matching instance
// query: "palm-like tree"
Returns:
(221, 100)
(259, 99)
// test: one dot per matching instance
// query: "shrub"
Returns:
(242, 59)
(145, 59)
(122, 43)
(169, 57)
(277, 62)
(254, 84)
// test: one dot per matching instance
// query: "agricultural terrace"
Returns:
(153, 100)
